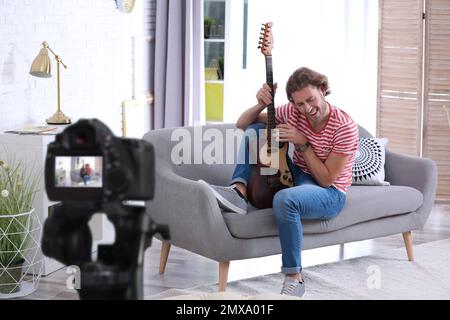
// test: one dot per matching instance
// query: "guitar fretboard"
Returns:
(270, 108)
(269, 72)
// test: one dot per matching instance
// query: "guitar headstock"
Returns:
(266, 39)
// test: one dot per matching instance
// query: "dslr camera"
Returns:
(89, 170)
(114, 168)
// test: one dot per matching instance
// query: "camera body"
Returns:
(112, 168)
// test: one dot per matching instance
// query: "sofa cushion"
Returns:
(368, 168)
(363, 203)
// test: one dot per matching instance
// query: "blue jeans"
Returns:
(306, 200)
(86, 178)
(243, 171)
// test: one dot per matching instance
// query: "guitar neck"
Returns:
(269, 81)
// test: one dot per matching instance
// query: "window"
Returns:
(214, 34)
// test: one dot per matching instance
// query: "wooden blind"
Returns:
(436, 143)
(400, 52)
(414, 81)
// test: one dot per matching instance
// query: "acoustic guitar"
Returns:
(272, 172)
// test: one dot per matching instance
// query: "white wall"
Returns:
(92, 37)
(335, 37)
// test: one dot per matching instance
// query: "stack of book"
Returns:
(38, 129)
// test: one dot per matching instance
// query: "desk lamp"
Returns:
(41, 67)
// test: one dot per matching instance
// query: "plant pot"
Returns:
(10, 278)
(19, 244)
(207, 29)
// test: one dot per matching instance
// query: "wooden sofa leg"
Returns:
(165, 248)
(224, 266)
(407, 238)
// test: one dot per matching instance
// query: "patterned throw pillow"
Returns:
(369, 162)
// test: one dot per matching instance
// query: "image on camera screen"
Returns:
(78, 172)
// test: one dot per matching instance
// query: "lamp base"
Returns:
(59, 118)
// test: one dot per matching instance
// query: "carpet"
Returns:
(386, 275)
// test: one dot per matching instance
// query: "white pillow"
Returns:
(369, 162)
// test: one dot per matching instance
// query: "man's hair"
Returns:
(302, 77)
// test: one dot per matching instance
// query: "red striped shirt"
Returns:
(340, 135)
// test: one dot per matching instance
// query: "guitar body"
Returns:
(277, 160)
(262, 186)
(272, 173)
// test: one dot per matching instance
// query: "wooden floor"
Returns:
(185, 269)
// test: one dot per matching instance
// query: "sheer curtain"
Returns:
(335, 37)
(179, 97)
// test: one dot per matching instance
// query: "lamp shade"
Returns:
(41, 66)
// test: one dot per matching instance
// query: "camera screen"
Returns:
(78, 172)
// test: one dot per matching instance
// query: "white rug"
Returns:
(387, 275)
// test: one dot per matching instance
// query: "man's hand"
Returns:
(264, 95)
(288, 133)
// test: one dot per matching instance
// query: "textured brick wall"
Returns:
(93, 38)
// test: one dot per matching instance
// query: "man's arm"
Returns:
(325, 173)
(255, 114)
(252, 115)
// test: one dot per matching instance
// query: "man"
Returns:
(86, 173)
(325, 140)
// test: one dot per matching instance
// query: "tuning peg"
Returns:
(259, 47)
(262, 28)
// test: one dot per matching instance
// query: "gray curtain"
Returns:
(179, 76)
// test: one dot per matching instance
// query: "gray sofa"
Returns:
(197, 224)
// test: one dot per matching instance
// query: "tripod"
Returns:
(118, 271)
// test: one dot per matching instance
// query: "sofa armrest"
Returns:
(190, 210)
(415, 172)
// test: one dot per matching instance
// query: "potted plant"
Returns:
(18, 186)
(221, 62)
(207, 23)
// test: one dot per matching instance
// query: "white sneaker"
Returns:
(293, 287)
